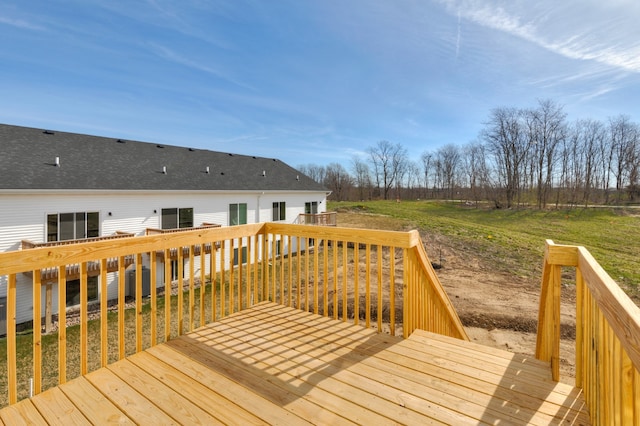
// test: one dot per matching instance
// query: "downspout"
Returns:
(257, 218)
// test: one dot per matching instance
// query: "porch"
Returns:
(304, 329)
(272, 364)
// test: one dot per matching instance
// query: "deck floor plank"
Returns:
(54, 405)
(280, 392)
(92, 403)
(22, 413)
(443, 393)
(521, 399)
(160, 394)
(264, 408)
(532, 380)
(205, 398)
(127, 399)
(308, 370)
(272, 364)
(422, 340)
(331, 367)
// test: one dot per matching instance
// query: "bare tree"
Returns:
(314, 171)
(546, 127)
(475, 167)
(633, 164)
(338, 180)
(413, 181)
(362, 177)
(448, 158)
(623, 135)
(427, 165)
(507, 142)
(389, 162)
(589, 135)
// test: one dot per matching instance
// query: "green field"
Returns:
(514, 239)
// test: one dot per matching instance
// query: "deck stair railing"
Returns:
(322, 219)
(375, 278)
(607, 347)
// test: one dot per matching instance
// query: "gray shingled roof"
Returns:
(28, 156)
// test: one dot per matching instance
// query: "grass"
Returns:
(513, 239)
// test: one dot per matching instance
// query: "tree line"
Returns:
(521, 156)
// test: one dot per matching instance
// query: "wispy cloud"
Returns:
(597, 41)
(171, 55)
(19, 23)
(458, 34)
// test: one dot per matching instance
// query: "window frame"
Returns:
(70, 226)
(73, 291)
(278, 211)
(311, 207)
(181, 217)
(240, 251)
(238, 214)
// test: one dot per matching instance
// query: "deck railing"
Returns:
(322, 219)
(376, 278)
(607, 335)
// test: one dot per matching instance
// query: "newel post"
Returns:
(406, 295)
(548, 337)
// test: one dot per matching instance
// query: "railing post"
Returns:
(12, 370)
(37, 332)
(48, 310)
(548, 337)
(265, 268)
(580, 347)
(405, 294)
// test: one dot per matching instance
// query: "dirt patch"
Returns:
(497, 308)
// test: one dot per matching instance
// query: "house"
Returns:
(63, 187)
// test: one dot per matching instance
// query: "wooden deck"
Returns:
(275, 365)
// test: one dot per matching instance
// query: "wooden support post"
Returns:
(48, 308)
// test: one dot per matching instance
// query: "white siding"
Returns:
(23, 216)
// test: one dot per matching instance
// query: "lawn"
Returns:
(513, 239)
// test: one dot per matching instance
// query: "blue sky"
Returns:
(311, 81)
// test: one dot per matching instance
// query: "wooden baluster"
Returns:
(392, 291)
(334, 244)
(325, 278)
(138, 296)
(203, 282)
(368, 286)
(167, 295)
(356, 283)
(192, 301)
(380, 295)
(121, 306)
(153, 264)
(104, 325)
(84, 338)
(345, 286)
(180, 255)
(62, 324)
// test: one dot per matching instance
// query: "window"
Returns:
(235, 256)
(73, 291)
(73, 226)
(175, 271)
(238, 214)
(279, 211)
(177, 218)
(311, 207)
